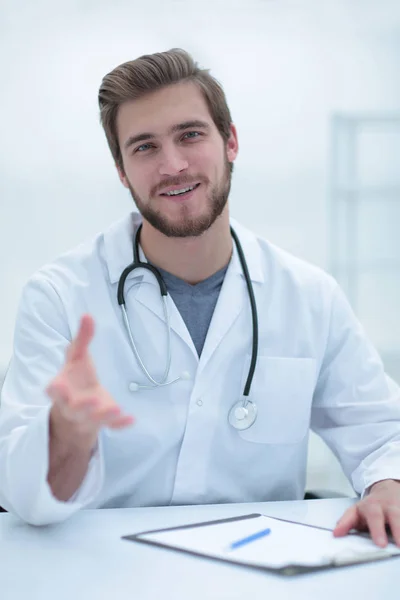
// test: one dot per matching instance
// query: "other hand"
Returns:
(381, 507)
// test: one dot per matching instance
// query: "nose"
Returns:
(172, 162)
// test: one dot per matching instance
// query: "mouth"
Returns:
(182, 193)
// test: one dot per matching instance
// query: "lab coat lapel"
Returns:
(148, 294)
(140, 284)
(233, 297)
(229, 305)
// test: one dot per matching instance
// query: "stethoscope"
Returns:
(243, 414)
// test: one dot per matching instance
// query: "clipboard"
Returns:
(208, 540)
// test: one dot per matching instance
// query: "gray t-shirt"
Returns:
(196, 303)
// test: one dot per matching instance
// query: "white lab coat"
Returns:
(315, 368)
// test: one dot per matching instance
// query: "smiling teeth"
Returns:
(182, 191)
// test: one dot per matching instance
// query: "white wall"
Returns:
(286, 65)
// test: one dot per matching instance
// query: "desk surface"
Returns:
(85, 558)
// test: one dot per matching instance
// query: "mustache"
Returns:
(182, 180)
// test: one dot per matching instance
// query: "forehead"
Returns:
(158, 111)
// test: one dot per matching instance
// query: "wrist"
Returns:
(383, 483)
(68, 437)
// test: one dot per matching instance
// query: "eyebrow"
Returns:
(196, 123)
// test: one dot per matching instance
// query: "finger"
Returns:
(104, 416)
(82, 412)
(74, 411)
(349, 520)
(80, 343)
(58, 392)
(121, 422)
(90, 408)
(393, 519)
(88, 415)
(375, 519)
(112, 417)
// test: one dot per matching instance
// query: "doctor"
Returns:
(119, 394)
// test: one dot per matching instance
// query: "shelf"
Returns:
(391, 361)
(387, 118)
(393, 354)
(363, 219)
(370, 193)
(367, 266)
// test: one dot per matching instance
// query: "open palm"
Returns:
(77, 392)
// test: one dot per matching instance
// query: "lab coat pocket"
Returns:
(282, 389)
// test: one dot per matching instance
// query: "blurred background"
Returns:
(314, 90)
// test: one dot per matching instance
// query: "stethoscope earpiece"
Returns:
(135, 387)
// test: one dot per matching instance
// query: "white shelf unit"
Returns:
(364, 223)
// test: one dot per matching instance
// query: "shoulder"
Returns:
(283, 268)
(295, 269)
(87, 263)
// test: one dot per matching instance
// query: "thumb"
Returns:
(80, 343)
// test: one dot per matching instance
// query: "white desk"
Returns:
(84, 559)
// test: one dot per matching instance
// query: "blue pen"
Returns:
(250, 538)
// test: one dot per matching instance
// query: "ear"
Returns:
(122, 176)
(232, 145)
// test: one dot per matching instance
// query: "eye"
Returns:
(143, 147)
(192, 134)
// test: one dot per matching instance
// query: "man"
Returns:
(82, 428)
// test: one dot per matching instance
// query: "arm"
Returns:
(356, 407)
(81, 406)
(46, 448)
(68, 464)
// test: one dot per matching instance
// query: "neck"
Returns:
(192, 259)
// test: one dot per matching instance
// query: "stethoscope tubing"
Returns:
(137, 263)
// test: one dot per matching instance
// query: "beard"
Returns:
(187, 225)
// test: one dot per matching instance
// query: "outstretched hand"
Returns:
(77, 394)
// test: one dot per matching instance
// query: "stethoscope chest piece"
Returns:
(242, 417)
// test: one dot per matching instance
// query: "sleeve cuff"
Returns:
(31, 498)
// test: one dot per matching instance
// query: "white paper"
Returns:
(287, 544)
